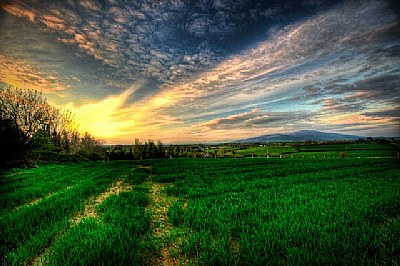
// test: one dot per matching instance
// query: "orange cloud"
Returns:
(53, 22)
(21, 74)
(19, 12)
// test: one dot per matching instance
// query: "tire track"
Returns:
(159, 205)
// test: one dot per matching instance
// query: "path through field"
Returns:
(89, 211)
(159, 205)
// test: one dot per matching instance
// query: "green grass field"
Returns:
(203, 212)
(355, 150)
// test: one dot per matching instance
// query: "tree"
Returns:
(160, 150)
(26, 108)
(91, 147)
(137, 149)
(41, 147)
(147, 150)
(13, 143)
(64, 131)
(42, 127)
(29, 110)
(151, 149)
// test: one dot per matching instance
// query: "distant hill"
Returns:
(300, 136)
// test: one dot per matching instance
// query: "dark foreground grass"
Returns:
(228, 212)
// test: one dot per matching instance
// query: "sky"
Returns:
(187, 71)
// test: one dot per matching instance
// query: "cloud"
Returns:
(166, 41)
(113, 118)
(53, 22)
(393, 113)
(360, 95)
(268, 73)
(341, 105)
(354, 119)
(21, 74)
(81, 76)
(233, 121)
(137, 40)
(255, 119)
(104, 117)
(19, 12)
(201, 73)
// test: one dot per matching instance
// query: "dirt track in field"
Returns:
(89, 211)
(160, 222)
(159, 205)
(90, 207)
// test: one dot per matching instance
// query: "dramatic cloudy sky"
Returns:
(208, 70)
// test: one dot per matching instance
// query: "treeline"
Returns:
(31, 130)
(137, 151)
(157, 150)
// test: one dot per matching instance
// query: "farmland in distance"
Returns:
(223, 211)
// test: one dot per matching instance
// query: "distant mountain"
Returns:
(300, 136)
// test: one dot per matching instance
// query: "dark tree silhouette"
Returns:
(13, 143)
